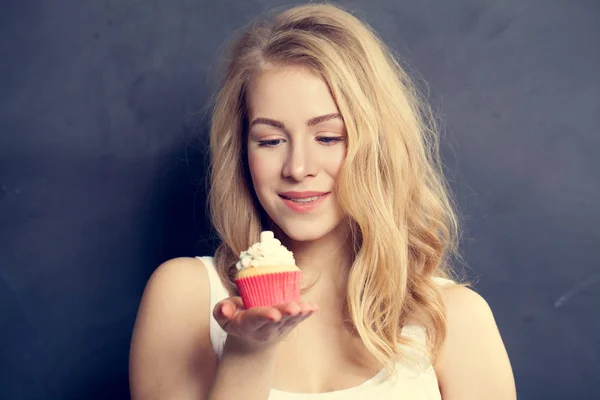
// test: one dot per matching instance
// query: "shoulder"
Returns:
(187, 271)
(459, 300)
(180, 281)
(170, 340)
(473, 362)
(175, 292)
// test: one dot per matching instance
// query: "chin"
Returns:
(307, 231)
(307, 227)
(299, 235)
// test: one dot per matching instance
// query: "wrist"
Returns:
(250, 348)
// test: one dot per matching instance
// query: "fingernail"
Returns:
(225, 310)
(273, 319)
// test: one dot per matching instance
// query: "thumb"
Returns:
(227, 308)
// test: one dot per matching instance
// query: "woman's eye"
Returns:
(269, 143)
(330, 140)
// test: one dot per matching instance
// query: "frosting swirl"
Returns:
(268, 252)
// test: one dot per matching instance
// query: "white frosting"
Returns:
(268, 252)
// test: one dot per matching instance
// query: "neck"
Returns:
(325, 264)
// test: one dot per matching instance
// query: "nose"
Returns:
(299, 164)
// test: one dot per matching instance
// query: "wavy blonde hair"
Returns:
(404, 224)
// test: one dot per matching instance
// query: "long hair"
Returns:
(391, 187)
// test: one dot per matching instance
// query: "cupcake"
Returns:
(267, 273)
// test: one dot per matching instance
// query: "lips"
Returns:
(301, 195)
(303, 202)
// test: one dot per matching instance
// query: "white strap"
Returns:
(217, 292)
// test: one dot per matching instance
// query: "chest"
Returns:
(320, 357)
(343, 370)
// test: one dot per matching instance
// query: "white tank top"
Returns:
(411, 381)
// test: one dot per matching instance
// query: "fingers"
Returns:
(226, 310)
(293, 314)
(308, 308)
(294, 308)
(257, 317)
(234, 318)
(262, 323)
(227, 307)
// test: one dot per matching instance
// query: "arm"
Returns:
(243, 374)
(171, 356)
(248, 363)
(473, 363)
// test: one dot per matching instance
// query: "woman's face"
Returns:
(296, 146)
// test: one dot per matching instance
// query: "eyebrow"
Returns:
(311, 122)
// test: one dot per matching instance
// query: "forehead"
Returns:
(293, 92)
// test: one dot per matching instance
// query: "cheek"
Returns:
(333, 163)
(262, 169)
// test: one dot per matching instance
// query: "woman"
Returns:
(318, 135)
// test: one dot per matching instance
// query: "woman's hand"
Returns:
(260, 327)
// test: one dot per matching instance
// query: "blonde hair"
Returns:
(404, 224)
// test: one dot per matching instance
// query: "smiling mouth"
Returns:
(303, 200)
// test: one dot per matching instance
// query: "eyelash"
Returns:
(269, 143)
(331, 140)
(325, 140)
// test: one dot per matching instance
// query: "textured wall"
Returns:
(101, 172)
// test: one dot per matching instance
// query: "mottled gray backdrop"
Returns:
(102, 156)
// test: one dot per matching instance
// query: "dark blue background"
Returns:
(102, 143)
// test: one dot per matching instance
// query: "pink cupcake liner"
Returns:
(270, 289)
